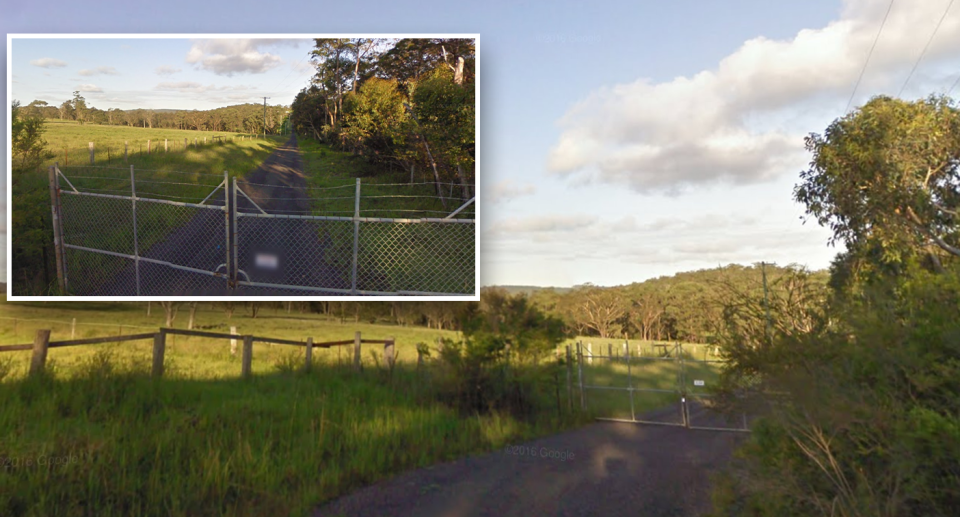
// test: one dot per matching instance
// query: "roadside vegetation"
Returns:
(96, 431)
(858, 385)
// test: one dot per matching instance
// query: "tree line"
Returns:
(405, 104)
(241, 118)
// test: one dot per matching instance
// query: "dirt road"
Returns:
(604, 469)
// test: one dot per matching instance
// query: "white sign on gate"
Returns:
(698, 382)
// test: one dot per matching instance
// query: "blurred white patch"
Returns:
(266, 261)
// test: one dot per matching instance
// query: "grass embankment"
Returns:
(99, 436)
(184, 175)
(433, 257)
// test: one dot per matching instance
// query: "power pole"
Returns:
(265, 117)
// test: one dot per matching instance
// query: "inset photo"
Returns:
(194, 166)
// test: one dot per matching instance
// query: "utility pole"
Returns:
(265, 117)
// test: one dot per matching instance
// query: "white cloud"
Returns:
(167, 70)
(507, 190)
(188, 87)
(100, 70)
(727, 124)
(48, 62)
(92, 88)
(234, 56)
(543, 224)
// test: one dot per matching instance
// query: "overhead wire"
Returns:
(869, 55)
(925, 47)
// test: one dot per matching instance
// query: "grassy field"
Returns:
(98, 436)
(68, 142)
(197, 357)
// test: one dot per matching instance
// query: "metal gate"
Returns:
(653, 383)
(112, 240)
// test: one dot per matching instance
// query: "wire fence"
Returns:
(113, 152)
(139, 232)
(653, 383)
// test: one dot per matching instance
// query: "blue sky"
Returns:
(619, 140)
(157, 73)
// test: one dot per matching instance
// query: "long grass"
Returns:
(98, 436)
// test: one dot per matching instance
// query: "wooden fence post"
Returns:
(184, 145)
(159, 349)
(233, 341)
(73, 329)
(164, 145)
(610, 350)
(39, 358)
(389, 353)
(247, 356)
(356, 351)
(148, 146)
(309, 353)
(90, 146)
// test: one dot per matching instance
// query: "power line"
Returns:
(924, 51)
(864, 69)
(955, 83)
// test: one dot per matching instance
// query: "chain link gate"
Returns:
(289, 253)
(110, 243)
(114, 242)
(658, 383)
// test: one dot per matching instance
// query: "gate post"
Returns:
(136, 251)
(583, 400)
(226, 227)
(356, 238)
(57, 244)
(234, 264)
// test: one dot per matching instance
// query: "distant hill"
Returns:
(528, 289)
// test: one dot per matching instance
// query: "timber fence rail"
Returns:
(42, 343)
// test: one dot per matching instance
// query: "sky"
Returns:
(160, 73)
(617, 140)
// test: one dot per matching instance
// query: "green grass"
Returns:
(430, 256)
(201, 441)
(197, 357)
(68, 142)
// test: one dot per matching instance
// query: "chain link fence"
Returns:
(653, 383)
(185, 237)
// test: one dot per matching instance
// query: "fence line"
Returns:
(42, 344)
(163, 247)
(154, 146)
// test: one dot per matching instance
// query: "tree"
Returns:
(79, 107)
(170, 310)
(66, 110)
(26, 138)
(600, 310)
(885, 178)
